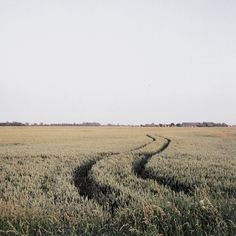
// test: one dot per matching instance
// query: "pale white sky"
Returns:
(118, 61)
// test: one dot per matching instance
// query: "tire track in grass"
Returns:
(112, 198)
(81, 175)
(140, 168)
(81, 179)
(141, 172)
(89, 188)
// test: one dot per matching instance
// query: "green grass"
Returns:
(85, 181)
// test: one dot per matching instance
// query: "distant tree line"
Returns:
(75, 124)
(187, 124)
(184, 124)
(204, 124)
(14, 123)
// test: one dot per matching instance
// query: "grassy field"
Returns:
(117, 181)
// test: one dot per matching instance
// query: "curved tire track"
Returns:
(139, 169)
(174, 185)
(85, 184)
(91, 189)
(81, 175)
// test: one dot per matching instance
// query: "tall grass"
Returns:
(39, 194)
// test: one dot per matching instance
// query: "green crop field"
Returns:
(117, 181)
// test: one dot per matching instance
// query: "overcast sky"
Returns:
(118, 61)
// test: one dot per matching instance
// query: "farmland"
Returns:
(117, 181)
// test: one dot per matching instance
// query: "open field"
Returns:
(117, 181)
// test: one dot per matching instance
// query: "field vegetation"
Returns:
(117, 181)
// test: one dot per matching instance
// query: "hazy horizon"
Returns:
(127, 62)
